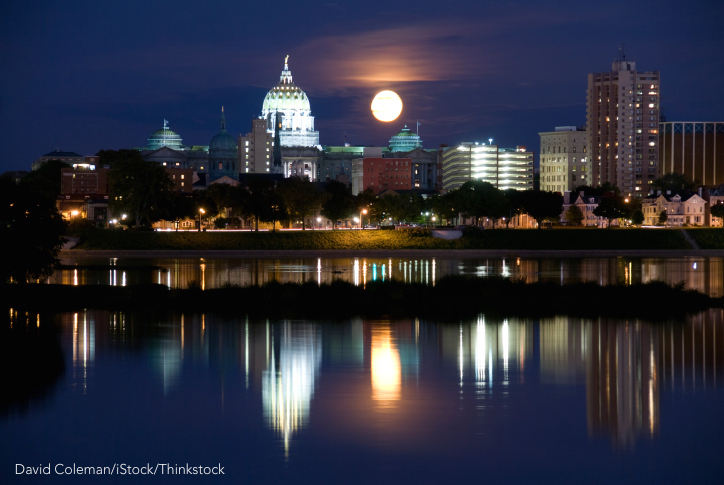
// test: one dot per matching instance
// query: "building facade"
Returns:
(292, 104)
(694, 149)
(564, 161)
(255, 149)
(66, 157)
(623, 127)
(380, 174)
(505, 168)
(681, 209)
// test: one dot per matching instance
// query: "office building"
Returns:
(694, 149)
(564, 162)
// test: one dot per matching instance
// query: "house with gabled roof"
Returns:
(682, 209)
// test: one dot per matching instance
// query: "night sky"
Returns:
(83, 76)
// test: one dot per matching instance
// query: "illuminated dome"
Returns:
(405, 141)
(292, 103)
(165, 137)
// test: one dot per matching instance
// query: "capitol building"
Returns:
(292, 104)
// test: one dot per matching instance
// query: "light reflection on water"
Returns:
(413, 385)
(705, 274)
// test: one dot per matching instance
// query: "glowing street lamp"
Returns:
(319, 222)
(201, 211)
(363, 211)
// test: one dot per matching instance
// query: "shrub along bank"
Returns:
(452, 297)
(548, 239)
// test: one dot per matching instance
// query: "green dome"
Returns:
(165, 137)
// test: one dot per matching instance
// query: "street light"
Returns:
(319, 222)
(201, 211)
(363, 211)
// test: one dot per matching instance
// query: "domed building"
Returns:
(405, 141)
(165, 137)
(223, 154)
(292, 103)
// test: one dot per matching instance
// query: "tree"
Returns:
(257, 199)
(717, 210)
(610, 208)
(301, 197)
(674, 182)
(637, 217)
(31, 229)
(141, 189)
(339, 204)
(182, 206)
(663, 217)
(443, 206)
(46, 181)
(541, 205)
(470, 200)
(574, 215)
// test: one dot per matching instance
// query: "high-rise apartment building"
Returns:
(564, 161)
(255, 149)
(623, 126)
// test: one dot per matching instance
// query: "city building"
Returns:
(694, 149)
(293, 105)
(166, 148)
(564, 162)
(405, 141)
(681, 209)
(623, 127)
(380, 174)
(223, 153)
(587, 204)
(255, 148)
(505, 168)
(67, 157)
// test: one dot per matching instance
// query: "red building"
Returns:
(381, 174)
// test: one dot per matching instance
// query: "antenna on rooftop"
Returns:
(622, 51)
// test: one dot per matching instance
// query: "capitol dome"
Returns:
(165, 137)
(405, 141)
(293, 105)
(222, 141)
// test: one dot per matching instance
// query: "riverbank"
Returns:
(76, 254)
(451, 297)
(317, 242)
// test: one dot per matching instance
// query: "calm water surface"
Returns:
(705, 274)
(556, 400)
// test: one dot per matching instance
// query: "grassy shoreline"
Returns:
(452, 297)
(497, 239)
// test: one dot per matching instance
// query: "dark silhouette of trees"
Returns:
(674, 182)
(31, 229)
(542, 205)
(301, 198)
(141, 189)
(574, 215)
(339, 204)
(610, 208)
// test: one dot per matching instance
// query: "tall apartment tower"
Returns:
(623, 126)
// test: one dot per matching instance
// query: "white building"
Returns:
(681, 209)
(564, 162)
(292, 103)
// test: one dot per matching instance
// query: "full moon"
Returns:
(386, 106)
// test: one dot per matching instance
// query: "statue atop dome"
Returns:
(292, 104)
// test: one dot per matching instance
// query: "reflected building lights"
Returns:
(288, 382)
(385, 368)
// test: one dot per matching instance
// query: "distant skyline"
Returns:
(87, 76)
